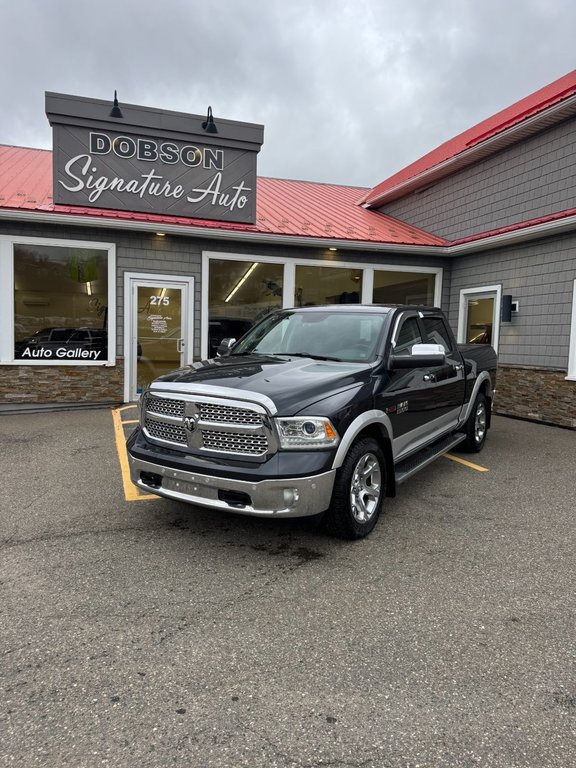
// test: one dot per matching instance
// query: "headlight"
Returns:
(306, 432)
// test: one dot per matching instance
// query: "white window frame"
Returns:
(7, 243)
(289, 282)
(466, 293)
(572, 349)
(133, 280)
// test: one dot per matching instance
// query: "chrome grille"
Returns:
(162, 431)
(165, 406)
(202, 425)
(235, 442)
(226, 414)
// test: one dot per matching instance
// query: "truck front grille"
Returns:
(227, 414)
(170, 433)
(208, 426)
(235, 442)
(164, 406)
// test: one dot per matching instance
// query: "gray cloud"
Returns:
(348, 91)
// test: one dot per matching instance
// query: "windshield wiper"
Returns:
(308, 354)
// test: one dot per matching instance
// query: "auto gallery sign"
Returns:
(152, 161)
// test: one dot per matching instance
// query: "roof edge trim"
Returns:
(210, 233)
(473, 245)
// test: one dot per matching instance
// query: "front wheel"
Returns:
(359, 491)
(476, 426)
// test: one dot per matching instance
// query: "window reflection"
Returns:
(479, 321)
(240, 294)
(60, 303)
(327, 285)
(403, 288)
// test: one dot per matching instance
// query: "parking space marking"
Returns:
(477, 467)
(131, 493)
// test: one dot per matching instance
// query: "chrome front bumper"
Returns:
(290, 497)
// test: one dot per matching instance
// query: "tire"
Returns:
(359, 491)
(476, 426)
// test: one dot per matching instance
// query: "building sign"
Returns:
(152, 161)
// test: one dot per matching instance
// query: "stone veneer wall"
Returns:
(536, 394)
(44, 384)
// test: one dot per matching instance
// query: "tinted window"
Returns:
(437, 332)
(407, 335)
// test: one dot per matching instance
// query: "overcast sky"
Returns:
(349, 91)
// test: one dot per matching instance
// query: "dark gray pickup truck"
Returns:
(316, 411)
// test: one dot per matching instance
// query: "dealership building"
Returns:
(146, 236)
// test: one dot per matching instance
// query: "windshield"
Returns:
(334, 335)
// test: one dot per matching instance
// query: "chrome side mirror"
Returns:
(421, 355)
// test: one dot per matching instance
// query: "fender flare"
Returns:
(361, 422)
(482, 377)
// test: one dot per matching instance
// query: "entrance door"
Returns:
(479, 318)
(158, 323)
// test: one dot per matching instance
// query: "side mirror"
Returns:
(224, 347)
(421, 356)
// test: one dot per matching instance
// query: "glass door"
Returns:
(160, 329)
(478, 322)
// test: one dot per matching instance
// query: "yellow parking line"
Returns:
(131, 493)
(130, 421)
(477, 467)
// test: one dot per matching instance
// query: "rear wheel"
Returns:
(359, 491)
(476, 426)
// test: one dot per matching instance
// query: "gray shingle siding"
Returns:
(540, 275)
(182, 256)
(533, 178)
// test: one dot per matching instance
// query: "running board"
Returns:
(408, 467)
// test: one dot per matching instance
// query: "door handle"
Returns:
(458, 367)
(179, 345)
(429, 377)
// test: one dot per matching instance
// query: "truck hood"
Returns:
(292, 384)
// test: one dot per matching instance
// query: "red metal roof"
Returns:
(537, 102)
(297, 208)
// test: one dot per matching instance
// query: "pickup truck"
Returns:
(318, 411)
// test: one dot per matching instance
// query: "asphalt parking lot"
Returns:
(142, 632)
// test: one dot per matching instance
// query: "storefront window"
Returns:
(60, 303)
(240, 293)
(327, 285)
(403, 288)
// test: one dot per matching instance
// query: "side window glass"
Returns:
(437, 332)
(408, 334)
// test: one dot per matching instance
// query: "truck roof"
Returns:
(379, 309)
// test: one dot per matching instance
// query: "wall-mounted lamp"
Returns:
(332, 249)
(209, 125)
(161, 234)
(508, 308)
(116, 111)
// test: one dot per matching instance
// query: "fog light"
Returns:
(291, 497)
